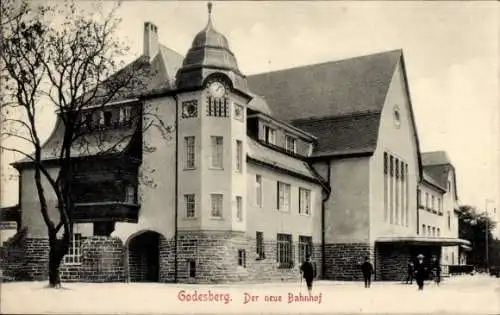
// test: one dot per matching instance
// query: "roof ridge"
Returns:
(328, 62)
(337, 117)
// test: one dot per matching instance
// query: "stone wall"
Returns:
(342, 260)
(215, 255)
(28, 259)
(102, 259)
(391, 262)
(36, 259)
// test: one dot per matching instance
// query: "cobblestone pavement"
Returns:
(478, 294)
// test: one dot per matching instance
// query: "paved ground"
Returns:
(464, 294)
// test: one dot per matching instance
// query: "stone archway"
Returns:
(144, 257)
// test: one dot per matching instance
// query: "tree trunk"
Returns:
(57, 250)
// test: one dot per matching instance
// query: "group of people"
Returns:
(418, 271)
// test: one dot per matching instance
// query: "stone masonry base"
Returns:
(342, 260)
(202, 257)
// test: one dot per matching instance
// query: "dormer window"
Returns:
(290, 144)
(270, 135)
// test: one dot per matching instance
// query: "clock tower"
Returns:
(212, 96)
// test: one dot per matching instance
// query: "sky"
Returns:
(451, 52)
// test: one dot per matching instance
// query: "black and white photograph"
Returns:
(230, 157)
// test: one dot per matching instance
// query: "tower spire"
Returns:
(209, 5)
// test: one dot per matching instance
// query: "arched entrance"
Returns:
(143, 257)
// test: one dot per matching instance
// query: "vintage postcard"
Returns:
(238, 157)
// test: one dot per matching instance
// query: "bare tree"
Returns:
(63, 57)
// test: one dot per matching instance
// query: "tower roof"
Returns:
(209, 51)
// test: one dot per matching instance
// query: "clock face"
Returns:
(217, 89)
(189, 109)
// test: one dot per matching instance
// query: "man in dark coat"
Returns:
(436, 269)
(411, 270)
(420, 272)
(307, 271)
(367, 270)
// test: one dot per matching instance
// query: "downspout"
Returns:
(323, 225)
(176, 184)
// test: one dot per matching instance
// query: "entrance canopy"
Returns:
(423, 240)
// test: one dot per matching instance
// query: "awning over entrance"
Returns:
(422, 240)
(466, 248)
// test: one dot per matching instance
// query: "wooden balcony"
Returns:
(106, 211)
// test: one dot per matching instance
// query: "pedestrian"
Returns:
(420, 272)
(307, 271)
(367, 270)
(436, 269)
(411, 270)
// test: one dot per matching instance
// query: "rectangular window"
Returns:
(419, 198)
(242, 259)
(391, 187)
(432, 204)
(423, 229)
(429, 230)
(304, 201)
(407, 205)
(189, 152)
(433, 231)
(290, 144)
(305, 247)
(440, 206)
(125, 114)
(284, 255)
(449, 221)
(239, 156)
(239, 208)
(438, 232)
(217, 151)
(189, 205)
(283, 196)
(108, 115)
(270, 135)
(258, 190)
(74, 255)
(192, 268)
(259, 237)
(427, 201)
(216, 201)
(398, 186)
(217, 107)
(386, 191)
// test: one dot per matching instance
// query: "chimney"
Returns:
(151, 46)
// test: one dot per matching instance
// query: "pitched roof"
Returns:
(100, 142)
(430, 180)
(328, 89)
(343, 135)
(280, 161)
(438, 165)
(157, 74)
(435, 158)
